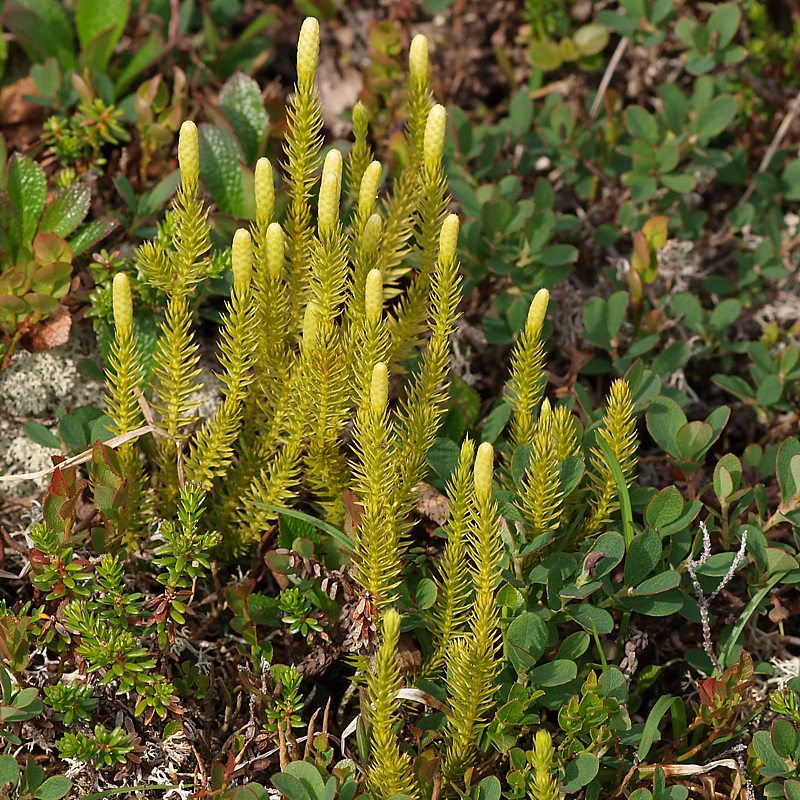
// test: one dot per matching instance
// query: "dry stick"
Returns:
(622, 46)
(780, 135)
(704, 602)
(85, 456)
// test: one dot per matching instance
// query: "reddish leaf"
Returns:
(50, 247)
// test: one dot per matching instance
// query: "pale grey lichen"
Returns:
(18, 454)
(35, 384)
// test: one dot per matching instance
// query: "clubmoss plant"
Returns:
(304, 334)
(562, 490)
(543, 784)
(389, 771)
(474, 659)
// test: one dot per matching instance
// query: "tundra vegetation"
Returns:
(498, 492)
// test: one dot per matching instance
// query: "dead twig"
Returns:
(611, 67)
(777, 139)
(85, 456)
(704, 602)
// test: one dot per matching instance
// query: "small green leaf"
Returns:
(725, 314)
(425, 593)
(525, 640)
(54, 788)
(643, 555)
(495, 423)
(642, 124)
(545, 55)
(42, 436)
(101, 21)
(519, 462)
(724, 21)
(9, 771)
(769, 390)
(662, 604)
(693, 439)
(92, 233)
(240, 100)
(572, 469)
(786, 474)
(555, 673)
(716, 116)
(147, 53)
(579, 772)
(590, 39)
(679, 182)
(489, 788)
(723, 482)
(658, 584)
(574, 646)
(67, 210)
(612, 546)
(773, 763)
(592, 618)
(791, 790)
(602, 319)
(791, 178)
(785, 738)
(308, 775)
(443, 457)
(520, 113)
(221, 156)
(43, 29)
(664, 419)
(27, 190)
(291, 787)
(664, 508)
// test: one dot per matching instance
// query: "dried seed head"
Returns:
(308, 50)
(379, 388)
(373, 296)
(310, 325)
(433, 143)
(275, 250)
(188, 152)
(368, 190)
(448, 239)
(372, 233)
(122, 303)
(265, 190)
(418, 59)
(536, 313)
(241, 261)
(329, 191)
(484, 469)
